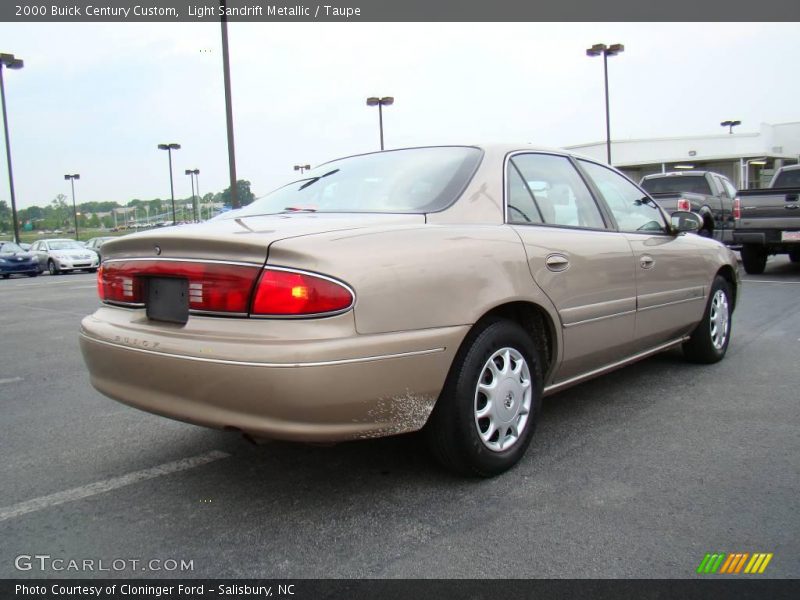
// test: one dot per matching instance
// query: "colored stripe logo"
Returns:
(734, 563)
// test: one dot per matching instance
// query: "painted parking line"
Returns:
(771, 281)
(10, 380)
(107, 485)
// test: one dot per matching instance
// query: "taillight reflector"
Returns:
(684, 204)
(737, 209)
(292, 293)
(213, 287)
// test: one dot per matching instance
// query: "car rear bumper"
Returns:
(341, 389)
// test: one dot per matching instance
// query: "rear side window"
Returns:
(787, 179)
(677, 183)
(545, 188)
(633, 211)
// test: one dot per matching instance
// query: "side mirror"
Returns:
(682, 220)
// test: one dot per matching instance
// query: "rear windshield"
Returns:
(787, 179)
(677, 184)
(415, 180)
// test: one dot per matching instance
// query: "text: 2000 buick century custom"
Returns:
(446, 287)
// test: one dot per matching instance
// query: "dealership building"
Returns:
(748, 159)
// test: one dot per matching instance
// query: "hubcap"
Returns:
(719, 319)
(503, 399)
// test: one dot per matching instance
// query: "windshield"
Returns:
(66, 245)
(677, 184)
(8, 247)
(789, 178)
(415, 180)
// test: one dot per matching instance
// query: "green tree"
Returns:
(243, 193)
(5, 217)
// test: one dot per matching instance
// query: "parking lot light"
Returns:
(10, 62)
(380, 103)
(72, 179)
(169, 148)
(302, 168)
(606, 51)
(730, 125)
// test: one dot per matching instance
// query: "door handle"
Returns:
(557, 262)
(646, 261)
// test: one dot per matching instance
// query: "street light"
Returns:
(606, 51)
(11, 62)
(72, 179)
(169, 148)
(191, 173)
(730, 125)
(380, 103)
(302, 168)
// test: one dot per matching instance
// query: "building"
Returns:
(748, 159)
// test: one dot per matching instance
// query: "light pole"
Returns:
(226, 77)
(380, 103)
(606, 51)
(730, 125)
(169, 148)
(11, 62)
(72, 179)
(196, 173)
(191, 173)
(302, 168)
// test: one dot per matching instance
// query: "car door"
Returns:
(38, 252)
(671, 270)
(585, 269)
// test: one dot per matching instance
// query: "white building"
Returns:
(748, 159)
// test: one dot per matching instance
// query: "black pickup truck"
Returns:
(708, 194)
(768, 220)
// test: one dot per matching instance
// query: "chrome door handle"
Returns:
(646, 261)
(557, 262)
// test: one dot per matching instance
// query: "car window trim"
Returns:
(570, 160)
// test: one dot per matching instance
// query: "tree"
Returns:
(60, 210)
(243, 193)
(5, 216)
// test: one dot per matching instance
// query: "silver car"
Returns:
(61, 255)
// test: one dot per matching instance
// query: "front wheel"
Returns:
(709, 341)
(485, 417)
(52, 268)
(794, 256)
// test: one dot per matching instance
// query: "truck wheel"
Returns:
(486, 415)
(754, 259)
(794, 256)
(709, 341)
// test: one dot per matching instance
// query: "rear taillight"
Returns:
(737, 209)
(294, 293)
(213, 287)
(684, 204)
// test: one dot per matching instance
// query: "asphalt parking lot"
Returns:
(637, 474)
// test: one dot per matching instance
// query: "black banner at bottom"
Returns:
(397, 589)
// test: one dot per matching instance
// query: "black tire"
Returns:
(51, 267)
(452, 431)
(34, 274)
(754, 259)
(94, 270)
(6, 275)
(707, 345)
(794, 256)
(706, 233)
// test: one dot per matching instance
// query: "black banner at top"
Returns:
(105, 11)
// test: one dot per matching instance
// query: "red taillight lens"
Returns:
(290, 293)
(213, 287)
(737, 209)
(684, 204)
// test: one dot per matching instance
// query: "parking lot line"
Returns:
(10, 380)
(771, 281)
(107, 485)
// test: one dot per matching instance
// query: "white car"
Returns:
(60, 255)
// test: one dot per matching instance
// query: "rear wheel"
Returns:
(709, 340)
(6, 275)
(754, 259)
(485, 417)
(34, 274)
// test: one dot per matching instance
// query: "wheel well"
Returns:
(533, 319)
(730, 276)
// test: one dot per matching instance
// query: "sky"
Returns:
(97, 99)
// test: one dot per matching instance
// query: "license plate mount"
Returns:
(168, 299)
